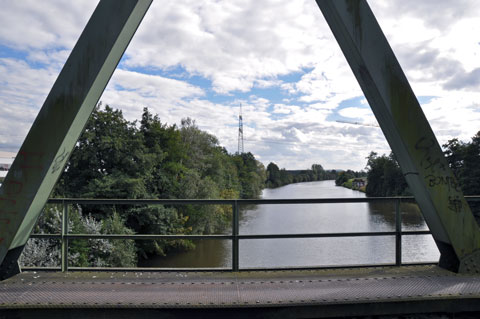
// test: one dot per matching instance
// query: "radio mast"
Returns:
(240, 132)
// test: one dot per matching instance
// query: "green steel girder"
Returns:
(60, 122)
(81, 82)
(407, 131)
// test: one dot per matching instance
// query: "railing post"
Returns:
(235, 245)
(398, 236)
(64, 252)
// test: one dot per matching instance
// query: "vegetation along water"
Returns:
(116, 158)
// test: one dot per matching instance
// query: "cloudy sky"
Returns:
(203, 58)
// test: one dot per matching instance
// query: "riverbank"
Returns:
(356, 184)
(300, 182)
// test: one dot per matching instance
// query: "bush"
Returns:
(81, 253)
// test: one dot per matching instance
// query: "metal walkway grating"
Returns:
(310, 288)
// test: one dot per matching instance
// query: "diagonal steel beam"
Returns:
(60, 122)
(407, 131)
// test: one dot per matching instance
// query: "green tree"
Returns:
(164, 148)
(318, 172)
(108, 160)
(341, 178)
(251, 175)
(464, 160)
(115, 158)
(384, 176)
(273, 175)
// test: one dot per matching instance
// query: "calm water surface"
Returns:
(312, 218)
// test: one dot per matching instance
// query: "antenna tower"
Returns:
(240, 132)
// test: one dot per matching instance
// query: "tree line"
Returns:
(277, 177)
(147, 159)
(385, 177)
(117, 158)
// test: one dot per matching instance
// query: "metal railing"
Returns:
(235, 237)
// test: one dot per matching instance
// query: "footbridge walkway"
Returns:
(372, 291)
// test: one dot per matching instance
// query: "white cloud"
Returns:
(358, 113)
(234, 43)
(22, 93)
(454, 115)
(31, 24)
(285, 109)
(242, 45)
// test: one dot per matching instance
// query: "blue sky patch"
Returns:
(294, 77)
(354, 102)
(10, 53)
(7, 52)
(425, 99)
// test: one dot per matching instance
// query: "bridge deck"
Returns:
(309, 293)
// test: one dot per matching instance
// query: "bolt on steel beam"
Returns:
(60, 122)
(408, 132)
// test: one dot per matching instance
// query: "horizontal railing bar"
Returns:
(319, 267)
(145, 269)
(337, 266)
(310, 235)
(416, 232)
(46, 236)
(145, 237)
(229, 237)
(418, 263)
(125, 269)
(93, 201)
(30, 268)
(156, 269)
(472, 198)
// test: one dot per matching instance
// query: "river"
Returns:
(312, 218)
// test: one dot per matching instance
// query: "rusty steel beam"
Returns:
(60, 122)
(407, 131)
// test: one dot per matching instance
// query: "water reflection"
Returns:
(311, 252)
(383, 215)
(208, 253)
(312, 218)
